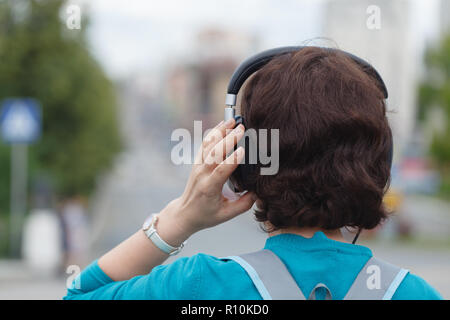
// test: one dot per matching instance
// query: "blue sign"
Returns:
(20, 120)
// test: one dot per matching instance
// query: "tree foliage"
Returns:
(41, 58)
(435, 92)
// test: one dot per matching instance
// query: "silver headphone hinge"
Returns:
(230, 100)
(229, 113)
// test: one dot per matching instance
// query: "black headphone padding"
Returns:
(256, 62)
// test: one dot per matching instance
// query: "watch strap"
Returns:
(152, 234)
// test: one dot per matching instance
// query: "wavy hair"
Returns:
(334, 141)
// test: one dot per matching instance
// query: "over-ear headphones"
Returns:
(256, 62)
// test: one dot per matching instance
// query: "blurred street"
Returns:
(17, 281)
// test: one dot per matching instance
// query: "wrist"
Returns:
(172, 227)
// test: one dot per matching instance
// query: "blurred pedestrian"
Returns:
(75, 222)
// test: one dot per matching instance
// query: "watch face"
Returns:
(147, 223)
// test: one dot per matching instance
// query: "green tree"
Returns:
(41, 58)
(435, 92)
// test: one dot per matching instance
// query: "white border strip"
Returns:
(395, 284)
(253, 276)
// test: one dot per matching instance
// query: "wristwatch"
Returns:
(149, 229)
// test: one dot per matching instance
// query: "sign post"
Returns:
(20, 125)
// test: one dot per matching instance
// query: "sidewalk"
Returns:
(18, 282)
(430, 216)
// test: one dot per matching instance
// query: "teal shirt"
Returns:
(202, 276)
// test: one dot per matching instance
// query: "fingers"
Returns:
(215, 135)
(224, 146)
(235, 208)
(222, 172)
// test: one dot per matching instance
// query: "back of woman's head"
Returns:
(334, 141)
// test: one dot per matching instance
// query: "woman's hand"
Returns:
(202, 204)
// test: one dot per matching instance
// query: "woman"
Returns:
(334, 144)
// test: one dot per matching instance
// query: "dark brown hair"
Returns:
(334, 141)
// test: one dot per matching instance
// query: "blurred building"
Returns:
(445, 16)
(389, 48)
(197, 81)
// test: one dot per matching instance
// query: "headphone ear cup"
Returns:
(238, 120)
(391, 150)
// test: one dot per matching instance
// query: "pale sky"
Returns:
(133, 35)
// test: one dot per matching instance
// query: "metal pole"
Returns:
(18, 195)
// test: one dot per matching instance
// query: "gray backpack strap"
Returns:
(378, 280)
(269, 275)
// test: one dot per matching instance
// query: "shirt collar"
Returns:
(319, 241)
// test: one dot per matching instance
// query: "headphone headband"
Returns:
(256, 62)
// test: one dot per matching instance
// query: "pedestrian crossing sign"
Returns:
(20, 120)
